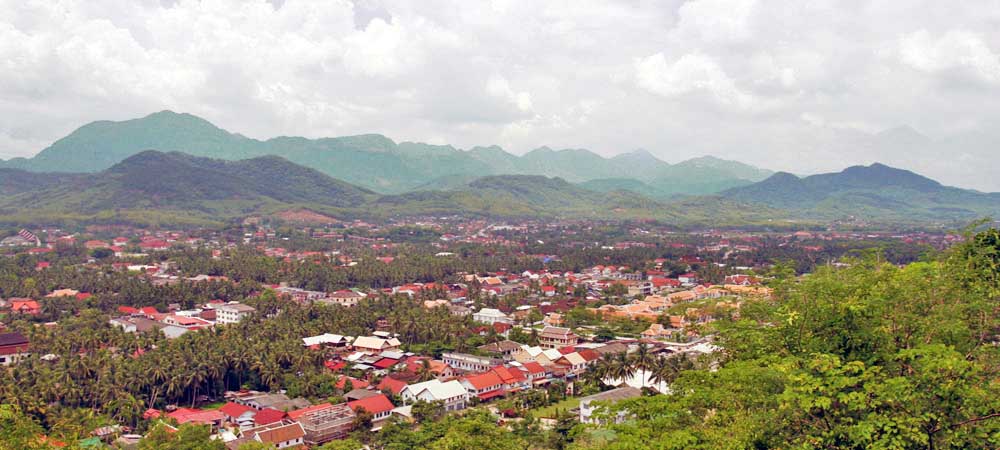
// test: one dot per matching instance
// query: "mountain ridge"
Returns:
(373, 161)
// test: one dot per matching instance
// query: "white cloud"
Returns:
(689, 73)
(716, 21)
(956, 49)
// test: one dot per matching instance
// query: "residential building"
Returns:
(375, 345)
(503, 349)
(379, 406)
(556, 337)
(470, 363)
(485, 386)
(452, 394)
(491, 316)
(279, 435)
(13, 348)
(233, 312)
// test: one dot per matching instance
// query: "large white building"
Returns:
(452, 394)
(491, 316)
(232, 312)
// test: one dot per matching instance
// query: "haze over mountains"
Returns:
(198, 173)
(375, 161)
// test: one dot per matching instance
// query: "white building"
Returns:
(452, 394)
(232, 312)
(491, 316)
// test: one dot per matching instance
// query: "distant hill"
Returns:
(877, 192)
(176, 183)
(155, 187)
(372, 161)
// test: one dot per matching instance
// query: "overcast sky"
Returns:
(802, 86)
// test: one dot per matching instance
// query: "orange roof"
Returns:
(484, 380)
(392, 385)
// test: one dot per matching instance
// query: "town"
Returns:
(361, 327)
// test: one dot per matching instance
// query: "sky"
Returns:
(799, 86)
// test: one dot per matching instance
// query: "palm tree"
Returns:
(643, 360)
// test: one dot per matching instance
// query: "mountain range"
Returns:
(200, 174)
(154, 187)
(376, 162)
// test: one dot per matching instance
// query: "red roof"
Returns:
(127, 310)
(375, 405)
(533, 367)
(356, 383)
(385, 363)
(508, 375)
(234, 410)
(149, 310)
(392, 385)
(151, 414)
(267, 416)
(491, 394)
(484, 380)
(335, 366)
(294, 415)
(186, 415)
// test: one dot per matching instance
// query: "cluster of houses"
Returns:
(175, 322)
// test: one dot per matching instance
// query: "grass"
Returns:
(550, 411)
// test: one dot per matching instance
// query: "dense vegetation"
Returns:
(871, 356)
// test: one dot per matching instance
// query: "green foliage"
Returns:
(871, 356)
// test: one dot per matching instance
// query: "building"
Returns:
(451, 394)
(279, 435)
(470, 363)
(345, 297)
(556, 337)
(233, 312)
(379, 406)
(485, 385)
(491, 316)
(13, 348)
(504, 349)
(324, 423)
(375, 345)
(588, 408)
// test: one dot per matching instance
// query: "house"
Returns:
(211, 417)
(470, 363)
(513, 379)
(554, 319)
(534, 372)
(344, 297)
(556, 337)
(588, 406)
(13, 348)
(503, 349)
(392, 385)
(24, 306)
(277, 435)
(233, 312)
(375, 345)
(185, 321)
(452, 394)
(326, 423)
(327, 339)
(688, 278)
(241, 415)
(656, 330)
(379, 406)
(491, 316)
(485, 386)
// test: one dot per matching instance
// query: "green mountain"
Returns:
(372, 161)
(184, 187)
(154, 187)
(877, 192)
